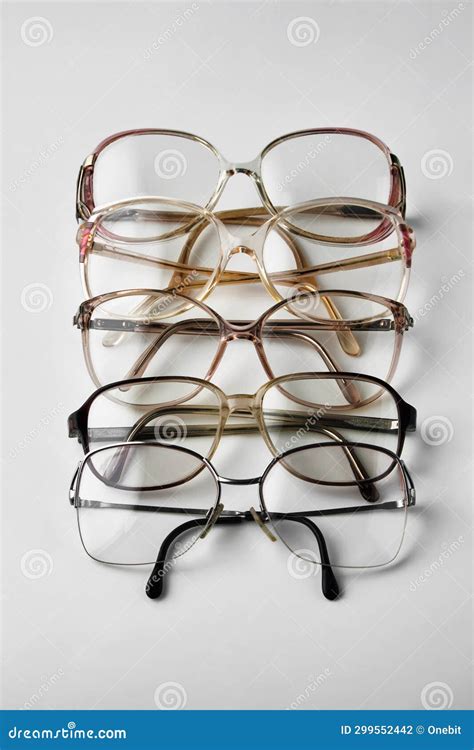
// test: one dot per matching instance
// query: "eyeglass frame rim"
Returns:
(84, 188)
(406, 240)
(78, 419)
(408, 500)
(253, 329)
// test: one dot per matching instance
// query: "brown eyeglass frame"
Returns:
(85, 181)
(92, 238)
(253, 331)
(249, 408)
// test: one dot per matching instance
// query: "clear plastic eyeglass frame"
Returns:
(292, 225)
(149, 315)
(396, 197)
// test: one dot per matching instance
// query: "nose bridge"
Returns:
(250, 168)
(236, 330)
(240, 402)
(242, 249)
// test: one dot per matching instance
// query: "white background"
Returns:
(236, 629)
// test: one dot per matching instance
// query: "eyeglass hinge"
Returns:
(88, 161)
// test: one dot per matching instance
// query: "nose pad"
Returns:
(213, 518)
(258, 520)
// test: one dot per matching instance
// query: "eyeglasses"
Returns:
(160, 243)
(287, 411)
(297, 167)
(131, 333)
(123, 515)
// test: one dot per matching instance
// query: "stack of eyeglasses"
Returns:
(152, 248)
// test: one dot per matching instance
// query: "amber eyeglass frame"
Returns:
(229, 330)
(93, 237)
(85, 182)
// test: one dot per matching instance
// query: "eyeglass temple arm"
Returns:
(281, 420)
(288, 278)
(155, 583)
(367, 488)
(253, 216)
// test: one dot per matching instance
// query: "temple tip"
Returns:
(329, 583)
(154, 585)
